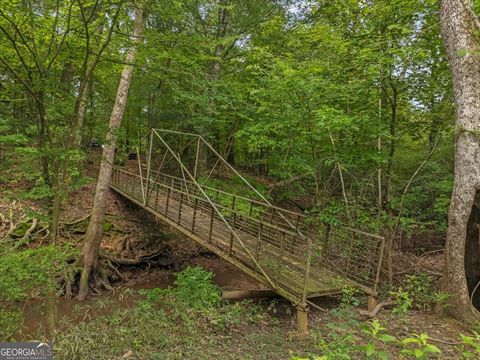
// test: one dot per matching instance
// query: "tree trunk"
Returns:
(221, 31)
(463, 51)
(214, 74)
(94, 232)
(389, 184)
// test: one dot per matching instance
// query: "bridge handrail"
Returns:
(223, 207)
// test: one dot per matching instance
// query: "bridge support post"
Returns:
(302, 320)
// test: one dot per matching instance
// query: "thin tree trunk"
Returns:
(94, 232)
(214, 74)
(463, 51)
(221, 31)
(389, 184)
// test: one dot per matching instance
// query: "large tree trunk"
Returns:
(221, 32)
(463, 50)
(94, 232)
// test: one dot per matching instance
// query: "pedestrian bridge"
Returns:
(183, 181)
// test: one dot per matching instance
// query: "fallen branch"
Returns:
(110, 265)
(445, 341)
(287, 182)
(435, 339)
(3, 221)
(13, 226)
(74, 222)
(376, 309)
(26, 237)
(124, 261)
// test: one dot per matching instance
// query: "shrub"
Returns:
(26, 274)
(194, 288)
(418, 292)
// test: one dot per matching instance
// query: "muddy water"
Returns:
(73, 311)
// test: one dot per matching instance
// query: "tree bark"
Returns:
(94, 232)
(221, 32)
(389, 184)
(463, 51)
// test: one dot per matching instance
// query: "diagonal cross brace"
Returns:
(212, 204)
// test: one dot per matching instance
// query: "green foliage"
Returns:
(195, 296)
(331, 213)
(376, 335)
(194, 288)
(353, 340)
(337, 345)
(10, 322)
(350, 296)
(418, 347)
(31, 271)
(296, 95)
(418, 292)
(237, 313)
(237, 187)
(402, 301)
(470, 346)
(28, 274)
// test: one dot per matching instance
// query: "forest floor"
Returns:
(124, 324)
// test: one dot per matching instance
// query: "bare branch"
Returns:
(24, 41)
(17, 51)
(64, 35)
(18, 77)
(409, 183)
(475, 19)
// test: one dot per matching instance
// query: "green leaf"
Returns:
(432, 349)
(383, 355)
(370, 349)
(419, 354)
(386, 338)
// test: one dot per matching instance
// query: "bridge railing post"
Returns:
(259, 237)
(133, 185)
(195, 205)
(234, 215)
(212, 218)
(180, 203)
(280, 260)
(157, 188)
(168, 201)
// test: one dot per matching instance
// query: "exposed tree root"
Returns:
(27, 236)
(13, 226)
(376, 309)
(126, 261)
(3, 222)
(74, 222)
(110, 265)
